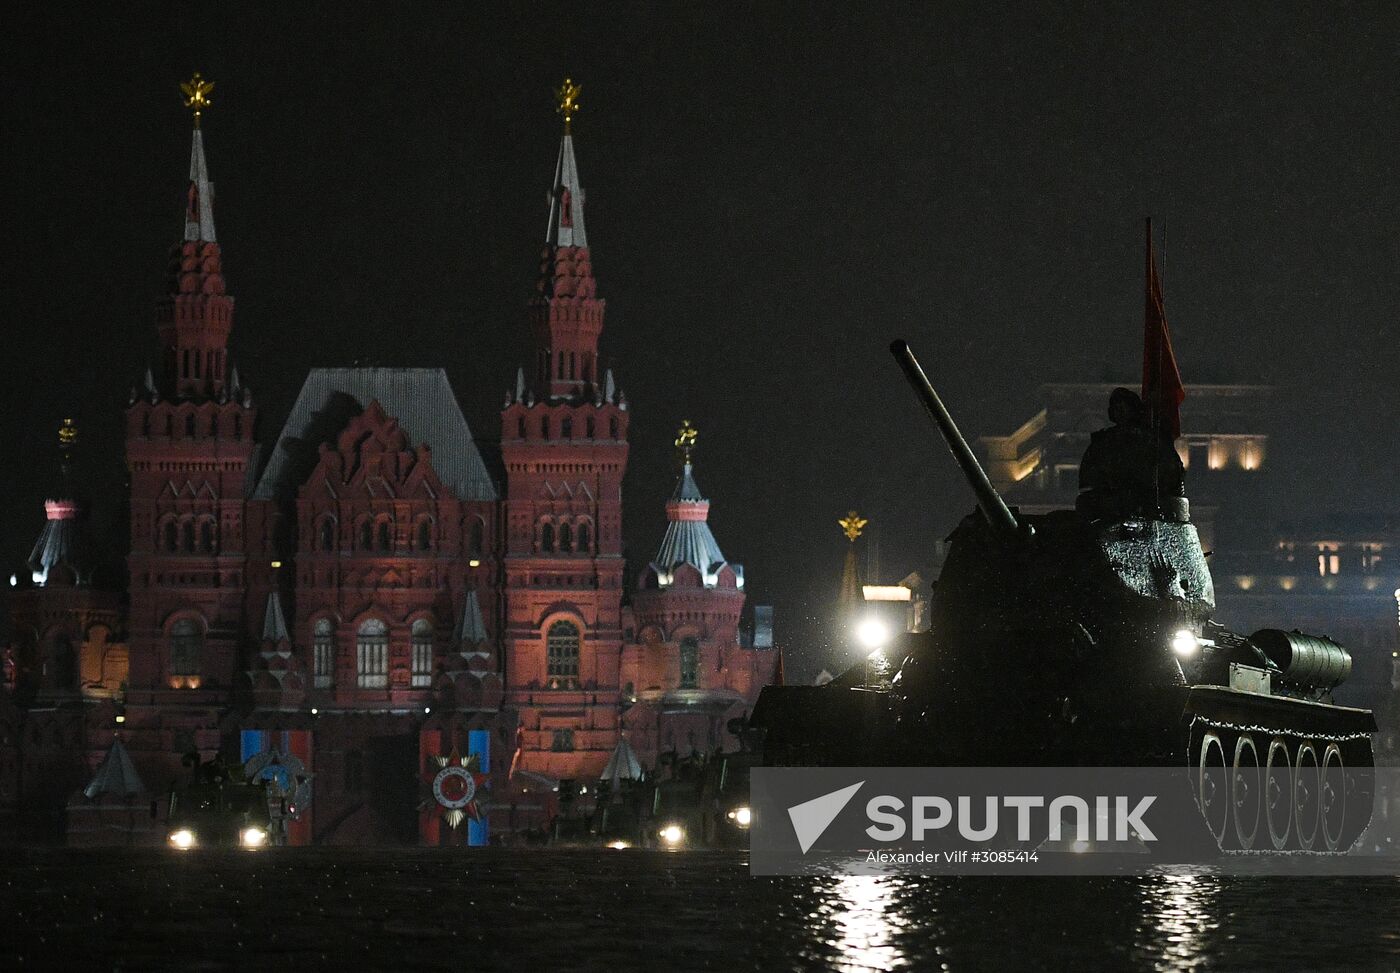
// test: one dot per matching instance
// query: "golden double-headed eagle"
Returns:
(196, 92)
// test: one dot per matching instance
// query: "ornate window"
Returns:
(566, 537)
(422, 652)
(581, 544)
(186, 646)
(547, 537)
(372, 654)
(612, 428)
(690, 661)
(187, 535)
(561, 647)
(366, 535)
(206, 536)
(323, 652)
(385, 538)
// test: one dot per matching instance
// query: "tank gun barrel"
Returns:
(989, 501)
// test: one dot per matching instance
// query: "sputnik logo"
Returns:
(810, 819)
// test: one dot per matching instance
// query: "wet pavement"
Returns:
(540, 909)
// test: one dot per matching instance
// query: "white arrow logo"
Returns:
(811, 818)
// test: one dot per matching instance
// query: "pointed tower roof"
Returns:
(471, 628)
(199, 209)
(688, 538)
(566, 195)
(63, 552)
(117, 775)
(622, 765)
(274, 621)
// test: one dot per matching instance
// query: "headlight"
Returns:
(183, 838)
(741, 816)
(672, 834)
(618, 845)
(1185, 643)
(252, 838)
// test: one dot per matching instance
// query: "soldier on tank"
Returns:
(1128, 470)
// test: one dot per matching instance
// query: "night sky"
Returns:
(773, 193)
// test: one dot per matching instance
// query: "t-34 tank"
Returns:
(1084, 638)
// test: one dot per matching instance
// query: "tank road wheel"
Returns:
(1333, 797)
(1307, 783)
(1278, 792)
(1245, 794)
(1213, 785)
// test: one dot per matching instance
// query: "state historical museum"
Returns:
(370, 592)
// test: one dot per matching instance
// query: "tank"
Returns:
(218, 807)
(1084, 638)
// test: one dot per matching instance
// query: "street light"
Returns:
(872, 633)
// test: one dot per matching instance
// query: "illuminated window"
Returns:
(690, 661)
(372, 655)
(562, 650)
(186, 646)
(323, 653)
(422, 652)
(1370, 557)
(1328, 561)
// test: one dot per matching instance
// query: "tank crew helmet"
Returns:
(1124, 406)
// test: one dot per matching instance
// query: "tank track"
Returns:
(1273, 790)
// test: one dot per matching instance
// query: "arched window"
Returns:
(366, 536)
(425, 534)
(566, 538)
(385, 541)
(582, 544)
(566, 427)
(172, 536)
(323, 651)
(372, 654)
(547, 537)
(690, 661)
(588, 426)
(612, 428)
(327, 533)
(544, 427)
(476, 539)
(561, 647)
(187, 535)
(206, 536)
(520, 427)
(186, 646)
(422, 652)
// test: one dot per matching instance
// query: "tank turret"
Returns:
(1085, 637)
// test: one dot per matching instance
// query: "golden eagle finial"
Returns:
(852, 524)
(568, 100)
(685, 439)
(196, 91)
(67, 434)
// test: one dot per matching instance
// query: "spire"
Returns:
(688, 538)
(566, 314)
(117, 775)
(274, 621)
(195, 316)
(62, 554)
(566, 195)
(199, 203)
(850, 595)
(471, 629)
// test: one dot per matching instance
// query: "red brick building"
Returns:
(357, 602)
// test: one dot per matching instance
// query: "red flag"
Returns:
(1162, 391)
